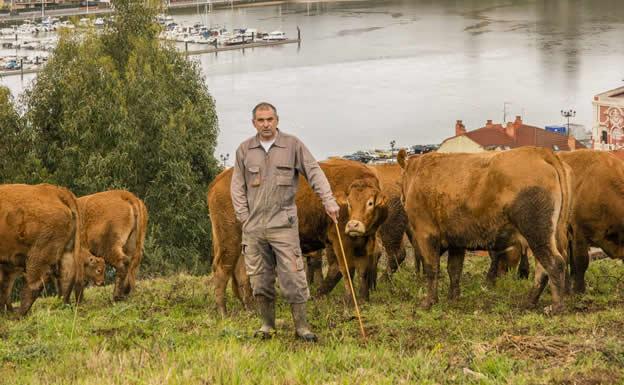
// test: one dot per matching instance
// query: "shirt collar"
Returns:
(279, 141)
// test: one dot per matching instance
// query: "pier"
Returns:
(187, 52)
(255, 44)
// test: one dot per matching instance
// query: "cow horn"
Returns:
(402, 158)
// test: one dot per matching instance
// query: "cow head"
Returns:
(366, 206)
(612, 239)
(95, 267)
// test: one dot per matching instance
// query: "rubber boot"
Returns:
(266, 309)
(302, 329)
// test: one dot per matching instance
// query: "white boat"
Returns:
(275, 36)
(66, 24)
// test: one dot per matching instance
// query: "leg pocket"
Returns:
(298, 258)
(253, 259)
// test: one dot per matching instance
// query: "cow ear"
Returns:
(381, 199)
(341, 198)
(402, 158)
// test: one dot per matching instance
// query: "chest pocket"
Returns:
(253, 176)
(284, 178)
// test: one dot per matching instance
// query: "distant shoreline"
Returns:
(82, 11)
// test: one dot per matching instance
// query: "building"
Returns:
(608, 125)
(498, 137)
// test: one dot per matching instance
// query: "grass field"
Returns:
(168, 332)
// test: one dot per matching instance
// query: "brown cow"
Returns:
(460, 201)
(115, 224)
(392, 232)
(39, 229)
(597, 212)
(94, 272)
(315, 228)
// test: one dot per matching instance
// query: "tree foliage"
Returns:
(117, 109)
(19, 162)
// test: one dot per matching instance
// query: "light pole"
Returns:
(392, 144)
(505, 104)
(224, 158)
(568, 114)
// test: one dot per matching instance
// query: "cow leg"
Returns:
(333, 273)
(315, 267)
(523, 266)
(66, 276)
(579, 261)
(535, 213)
(35, 276)
(539, 284)
(454, 267)
(364, 289)
(492, 273)
(8, 275)
(395, 252)
(220, 280)
(121, 262)
(242, 286)
(431, 266)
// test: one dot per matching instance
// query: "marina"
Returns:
(42, 38)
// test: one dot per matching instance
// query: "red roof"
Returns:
(494, 135)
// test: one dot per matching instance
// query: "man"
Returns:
(263, 190)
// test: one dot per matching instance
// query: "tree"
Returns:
(119, 110)
(19, 163)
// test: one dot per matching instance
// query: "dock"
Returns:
(255, 44)
(186, 52)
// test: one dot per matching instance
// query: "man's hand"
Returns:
(333, 210)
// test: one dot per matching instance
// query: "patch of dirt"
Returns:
(536, 348)
(592, 377)
(107, 332)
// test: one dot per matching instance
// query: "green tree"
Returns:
(118, 109)
(18, 159)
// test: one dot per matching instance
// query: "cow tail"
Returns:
(140, 223)
(565, 181)
(69, 199)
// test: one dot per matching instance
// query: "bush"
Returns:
(119, 110)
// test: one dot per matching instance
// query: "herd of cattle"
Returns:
(45, 232)
(556, 205)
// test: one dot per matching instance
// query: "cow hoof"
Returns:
(453, 296)
(426, 304)
(555, 309)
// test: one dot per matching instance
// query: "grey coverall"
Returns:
(263, 194)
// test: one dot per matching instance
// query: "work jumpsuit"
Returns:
(263, 191)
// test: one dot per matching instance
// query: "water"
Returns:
(368, 72)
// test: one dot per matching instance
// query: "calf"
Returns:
(115, 224)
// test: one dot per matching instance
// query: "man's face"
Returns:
(265, 122)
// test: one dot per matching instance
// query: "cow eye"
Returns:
(370, 203)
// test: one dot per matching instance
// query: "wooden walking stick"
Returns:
(344, 258)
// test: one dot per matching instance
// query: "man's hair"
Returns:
(263, 106)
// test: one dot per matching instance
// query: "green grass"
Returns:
(168, 332)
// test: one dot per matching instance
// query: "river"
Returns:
(368, 72)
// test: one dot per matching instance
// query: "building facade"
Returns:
(500, 137)
(608, 126)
